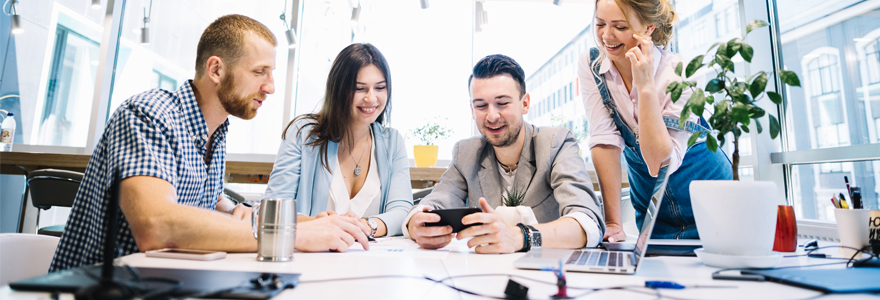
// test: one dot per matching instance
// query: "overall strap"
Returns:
(629, 137)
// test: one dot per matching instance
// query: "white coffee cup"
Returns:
(852, 226)
(735, 217)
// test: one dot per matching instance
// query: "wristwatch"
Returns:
(374, 226)
(534, 237)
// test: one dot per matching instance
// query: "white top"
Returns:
(341, 202)
(603, 131)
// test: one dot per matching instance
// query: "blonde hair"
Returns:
(225, 38)
(659, 13)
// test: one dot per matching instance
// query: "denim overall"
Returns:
(676, 217)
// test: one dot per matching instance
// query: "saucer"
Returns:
(738, 261)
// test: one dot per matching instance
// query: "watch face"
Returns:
(536, 239)
(373, 224)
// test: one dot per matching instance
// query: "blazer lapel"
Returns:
(323, 178)
(526, 168)
(489, 181)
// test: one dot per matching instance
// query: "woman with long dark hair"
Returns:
(345, 159)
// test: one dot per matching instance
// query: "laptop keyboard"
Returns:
(598, 258)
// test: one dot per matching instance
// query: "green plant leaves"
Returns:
(697, 102)
(758, 125)
(776, 98)
(758, 84)
(755, 24)
(711, 143)
(678, 69)
(693, 66)
(724, 61)
(789, 78)
(694, 137)
(747, 52)
(674, 90)
(715, 85)
(733, 46)
(774, 127)
(739, 113)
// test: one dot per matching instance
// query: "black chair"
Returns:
(51, 187)
(419, 194)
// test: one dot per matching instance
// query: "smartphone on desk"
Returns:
(186, 254)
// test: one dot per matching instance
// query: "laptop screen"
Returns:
(650, 215)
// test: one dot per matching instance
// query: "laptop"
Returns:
(596, 260)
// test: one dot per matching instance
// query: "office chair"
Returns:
(51, 187)
(25, 255)
(419, 194)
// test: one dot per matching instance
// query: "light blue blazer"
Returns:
(299, 174)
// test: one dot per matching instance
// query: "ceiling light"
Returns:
(16, 19)
(96, 4)
(291, 38)
(145, 36)
(424, 4)
(356, 13)
(557, 2)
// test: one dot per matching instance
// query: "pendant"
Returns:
(357, 170)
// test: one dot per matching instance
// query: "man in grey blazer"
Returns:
(511, 155)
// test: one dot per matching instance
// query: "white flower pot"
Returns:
(735, 217)
(518, 214)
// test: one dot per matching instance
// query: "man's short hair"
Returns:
(225, 38)
(498, 64)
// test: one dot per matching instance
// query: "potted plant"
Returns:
(734, 110)
(426, 154)
(512, 211)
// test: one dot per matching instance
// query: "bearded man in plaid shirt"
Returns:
(170, 150)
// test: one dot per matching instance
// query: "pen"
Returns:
(843, 203)
(848, 189)
(856, 197)
(837, 203)
(833, 202)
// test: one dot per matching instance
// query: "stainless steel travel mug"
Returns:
(274, 224)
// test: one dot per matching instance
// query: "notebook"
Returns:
(849, 280)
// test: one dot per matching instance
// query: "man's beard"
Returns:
(509, 140)
(234, 104)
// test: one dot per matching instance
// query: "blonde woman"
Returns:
(623, 83)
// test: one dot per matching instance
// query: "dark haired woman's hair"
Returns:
(333, 121)
(498, 64)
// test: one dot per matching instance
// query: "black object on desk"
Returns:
(452, 217)
(849, 280)
(205, 283)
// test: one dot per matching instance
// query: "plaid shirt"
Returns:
(157, 133)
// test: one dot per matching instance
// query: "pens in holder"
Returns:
(842, 202)
(833, 202)
(848, 189)
(856, 197)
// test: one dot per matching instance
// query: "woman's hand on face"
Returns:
(641, 58)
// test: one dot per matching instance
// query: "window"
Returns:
(839, 67)
(64, 120)
(162, 81)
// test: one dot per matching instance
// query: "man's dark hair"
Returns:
(498, 64)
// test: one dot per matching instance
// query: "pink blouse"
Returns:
(602, 128)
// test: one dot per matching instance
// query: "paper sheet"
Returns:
(401, 246)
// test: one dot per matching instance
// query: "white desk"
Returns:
(457, 261)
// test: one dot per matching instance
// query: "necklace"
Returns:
(507, 169)
(357, 164)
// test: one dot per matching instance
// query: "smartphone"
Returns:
(187, 254)
(452, 217)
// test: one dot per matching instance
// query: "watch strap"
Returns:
(534, 237)
(527, 244)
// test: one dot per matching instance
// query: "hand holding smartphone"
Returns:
(187, 254)
(452, 217)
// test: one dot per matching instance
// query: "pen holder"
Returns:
(852, 226)
(786, 230)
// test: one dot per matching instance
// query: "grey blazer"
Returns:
(550, 168)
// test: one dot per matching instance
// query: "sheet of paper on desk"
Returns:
(401, 246)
